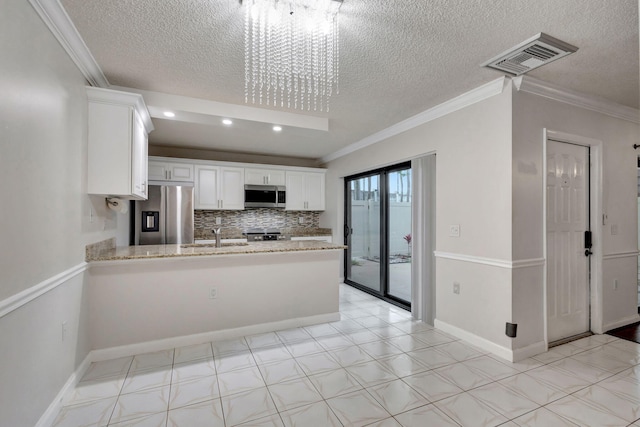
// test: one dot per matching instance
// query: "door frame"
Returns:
(384, 231)
(597, 216)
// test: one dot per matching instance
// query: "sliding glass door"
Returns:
(364, 212)
(378, 232)
(399, 234)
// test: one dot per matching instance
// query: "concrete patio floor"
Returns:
(367, 273)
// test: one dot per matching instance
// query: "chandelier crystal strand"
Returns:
(255, 44)
(292, 50)
(247, 14)
(268, 47)
(262, 51)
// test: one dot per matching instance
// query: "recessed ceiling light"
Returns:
(169, 114)
(277, 128)
(227, 122)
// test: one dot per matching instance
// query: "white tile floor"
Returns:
(375, 367)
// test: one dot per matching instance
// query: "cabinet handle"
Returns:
(169, 174)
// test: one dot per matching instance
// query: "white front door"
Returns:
(567, 221)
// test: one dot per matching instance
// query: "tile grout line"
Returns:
(386, 339)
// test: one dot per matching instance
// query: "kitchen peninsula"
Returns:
(147, 298)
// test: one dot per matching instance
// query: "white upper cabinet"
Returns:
(169, 171)
(219, 187)
(118, 127)
(264, 176)
(305, 191)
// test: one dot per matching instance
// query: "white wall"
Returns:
(44, 220)
(473, 147)
(490, 182)
(531, 115)
(169, 298)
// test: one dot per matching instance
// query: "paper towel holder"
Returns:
(117, 205)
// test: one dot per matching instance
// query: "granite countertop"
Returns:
(168, 251)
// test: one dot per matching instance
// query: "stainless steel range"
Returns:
(264, 234)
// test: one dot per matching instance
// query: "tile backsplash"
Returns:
(234, 222)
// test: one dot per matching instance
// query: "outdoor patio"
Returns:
(367, 273)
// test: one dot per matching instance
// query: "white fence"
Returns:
(365, 238)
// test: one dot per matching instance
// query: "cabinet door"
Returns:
(157, 171)
(295, 191)
(167, 171)
(232, 188)
(180, 172)
(275, 177)
(254, 177)
(206, 187)
(314, 191)
(139, 158)
(264, 176)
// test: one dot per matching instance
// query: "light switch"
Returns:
(614, 229)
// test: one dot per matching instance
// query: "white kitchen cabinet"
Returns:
(118, 128)
(219, 187)
(305, 191)
(264, 176)
(169, 171)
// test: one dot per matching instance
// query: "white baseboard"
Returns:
(473, 339)
(169, 343)
(623, 322)
(528, 351)
(49, 416)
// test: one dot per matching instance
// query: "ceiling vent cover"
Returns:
(532, 53)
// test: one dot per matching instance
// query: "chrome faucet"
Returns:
(216, 233)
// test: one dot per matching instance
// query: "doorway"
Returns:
(568, 239)
(378, 233)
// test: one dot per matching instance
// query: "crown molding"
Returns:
(56, 18)
(588, 102)
(478, 94)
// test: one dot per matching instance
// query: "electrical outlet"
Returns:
(213, 293)
(454, 230)
(456, 288)
(301, 220)
(614, 229)
(64, 330)
(218, 220)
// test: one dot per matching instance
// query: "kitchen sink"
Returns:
(212, 245)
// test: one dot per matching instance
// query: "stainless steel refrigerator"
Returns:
(165, 217)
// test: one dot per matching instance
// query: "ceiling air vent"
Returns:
(532, 53)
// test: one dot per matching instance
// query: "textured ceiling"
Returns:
(397, 59)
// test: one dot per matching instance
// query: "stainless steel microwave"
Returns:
(264, 196)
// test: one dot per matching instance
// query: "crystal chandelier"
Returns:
(291, 53)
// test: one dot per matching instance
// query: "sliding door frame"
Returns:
(384, 233)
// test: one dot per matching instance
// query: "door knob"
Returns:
(587, 252)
